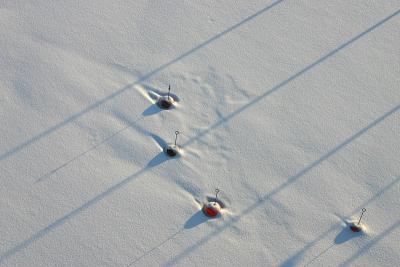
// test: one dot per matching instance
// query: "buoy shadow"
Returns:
(346, 234)
(151, 110)
(154, 109)
(159, 159)
(155, 95)
(197, 219)
(160, 142)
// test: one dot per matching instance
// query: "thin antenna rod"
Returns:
(216, 193)
(169, 90)
(176, 136)
(362, 212)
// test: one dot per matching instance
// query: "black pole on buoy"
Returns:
(216, 193)
(213, 207)
(362, 212)
(173, 150)
(176, 136)
(166, 101)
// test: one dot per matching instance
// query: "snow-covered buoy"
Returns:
(173, 150)
(211, 209)
(355, 227)
(166, 102)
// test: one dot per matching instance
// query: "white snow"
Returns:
(291, 108)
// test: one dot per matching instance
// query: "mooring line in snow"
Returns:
(50, 173)
(320, 254)
(195, 220)
(145, 77)
(305, 170)
(298, 255)
(367, 246)
(148, 252)
(105, 140)
(282, 186)
(60, 221)
(63, 219)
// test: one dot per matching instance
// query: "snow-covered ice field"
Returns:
(291, 108)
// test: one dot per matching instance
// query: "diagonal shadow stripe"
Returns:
(288, 80)
(60, 221)
(148, 252)
(371, 243)
(99, 197)
(218, 230)
(295, 258)
(100, 102)
(78, 156)
(292, 261)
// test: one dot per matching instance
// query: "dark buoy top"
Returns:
(166, 102)
(357, 227)
(173, 150)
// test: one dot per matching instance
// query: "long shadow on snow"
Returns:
(345, 235)
(307, 168)
(288, 182)
(196, 219)
(41, 233)
(294, 259)
(130, 124)
(187, 251)
(371, 243)
(100, 102)
(288, 80)
(161, 143)
(105, 140)
(157, 160)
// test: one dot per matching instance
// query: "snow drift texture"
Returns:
(291, 108)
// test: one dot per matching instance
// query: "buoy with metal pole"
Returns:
(166, 102)
(173, 150)
(212, 208)
(356, 227)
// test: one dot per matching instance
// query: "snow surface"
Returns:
(291, 108)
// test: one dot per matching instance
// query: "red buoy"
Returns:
(355, 227)
(211, 209)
